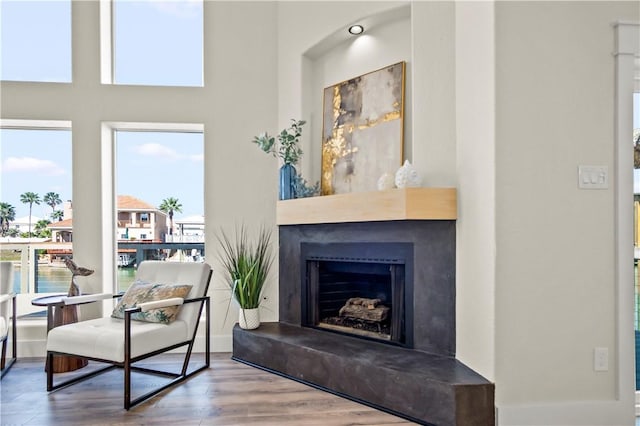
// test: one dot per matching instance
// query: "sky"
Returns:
(176, 158)
(156, 43)
(34, 161)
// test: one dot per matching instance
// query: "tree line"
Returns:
(8, 214)
(169, 206)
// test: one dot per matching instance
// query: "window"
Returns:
(36, 41)
(35, 186)
(158, 43)
(159, 181)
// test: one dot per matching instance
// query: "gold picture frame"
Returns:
(362, 130)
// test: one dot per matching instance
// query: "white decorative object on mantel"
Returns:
(386, 181)
(407, 176)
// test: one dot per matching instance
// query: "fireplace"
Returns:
(361, 289)
(424, 251)
(395, 250)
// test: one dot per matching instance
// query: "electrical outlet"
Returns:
(601, 359)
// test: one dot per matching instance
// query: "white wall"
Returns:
(240, 180)
(555, 275)
(475, 168)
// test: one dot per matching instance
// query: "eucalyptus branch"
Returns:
(288, 146)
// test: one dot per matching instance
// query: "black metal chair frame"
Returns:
(128, 366)
(5, 364)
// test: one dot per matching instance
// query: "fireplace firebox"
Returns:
(361, 289)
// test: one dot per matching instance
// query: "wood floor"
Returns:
(229, 393)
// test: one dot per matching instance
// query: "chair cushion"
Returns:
(141, 291)
(103, 338)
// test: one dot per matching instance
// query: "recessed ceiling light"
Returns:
(356, 29)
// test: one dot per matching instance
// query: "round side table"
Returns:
(60, 314)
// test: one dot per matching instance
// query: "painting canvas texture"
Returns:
(362, 133)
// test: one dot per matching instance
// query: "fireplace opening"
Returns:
(360, 289)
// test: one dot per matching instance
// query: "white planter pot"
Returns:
(249, 319)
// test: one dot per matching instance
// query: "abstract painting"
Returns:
(362, 130)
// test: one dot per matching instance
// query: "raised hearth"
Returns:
(421, 387)
(347, 243)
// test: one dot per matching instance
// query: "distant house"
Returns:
(139, 220)
(136, 220)
(22, 223)
(61, 232)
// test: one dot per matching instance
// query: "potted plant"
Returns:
(288, 150)
(246, 265)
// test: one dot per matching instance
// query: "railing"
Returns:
(134, 225)
(184, 238)
(27, 267)
(35, 276)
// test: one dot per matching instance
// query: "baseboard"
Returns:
(637, 403)
(575, 413)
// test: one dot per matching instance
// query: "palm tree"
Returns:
(41, 228)
(30, 198)
(57, 215)
(52, 200)
(7, 214)
(169, 206)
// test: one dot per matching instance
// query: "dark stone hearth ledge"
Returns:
(426, 388)
(433, 367)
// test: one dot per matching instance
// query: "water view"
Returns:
(56, 279)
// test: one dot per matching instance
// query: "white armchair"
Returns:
(7, 317)
(160, 312)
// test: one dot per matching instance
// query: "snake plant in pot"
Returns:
(246, 263)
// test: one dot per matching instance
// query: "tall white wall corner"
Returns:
(475, 110)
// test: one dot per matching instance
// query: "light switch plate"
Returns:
(593, 177)
(601, 359)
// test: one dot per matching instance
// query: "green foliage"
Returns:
(7, 214)
(30, 198)
(57, 215)
(246, 265)
(52, 199)
(288, 148)
(303, 189)
(170, 205)
(41, 229)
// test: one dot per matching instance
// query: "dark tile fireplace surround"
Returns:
(411, 371)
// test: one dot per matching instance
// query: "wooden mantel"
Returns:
(392, 204)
